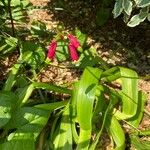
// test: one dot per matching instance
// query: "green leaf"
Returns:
(113, 127)
(17, 14)
(85, 99)
(87, 59)
(8, 45)
(18, 145)
(129, 93)
(73, 111)
(84, 138)
(105, 109)
(111, 74)
(139, 144)
(28, 120)
(7, 103)
(62, 51)
(144, 3)
(101, 108)
(81, 37)
(26, 92)
(137, 19)
(127, 4)
(21, 81)
(33, 54)
(38, 28)
(63, 140)
(52, 106)
(135, 120)
(51, 87)
(11, 41)
(118, 8)
(86, 95)
(26, 3)
(11, 78)
(15, 2)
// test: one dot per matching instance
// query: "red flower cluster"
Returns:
(73, 45)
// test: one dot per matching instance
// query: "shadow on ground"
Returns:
(115, 42)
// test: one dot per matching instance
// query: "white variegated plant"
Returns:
(127, 6)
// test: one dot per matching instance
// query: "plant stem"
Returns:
(11, 18)
(12, 23)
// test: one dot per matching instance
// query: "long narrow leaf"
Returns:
(11, 78)
(85, 100)
(129, 93)
(86, 96)
(106, 109)
(135, 121)
(51, 87)
(114, 128)
(63, 140)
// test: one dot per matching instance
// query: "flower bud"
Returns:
(74, 41)
(73, 52)
(52, 50)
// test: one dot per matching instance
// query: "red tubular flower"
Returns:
(74, 41)
(52, 50)
(73, 52)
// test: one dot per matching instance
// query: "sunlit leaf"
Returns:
(38, 28)
(63, 140)
(135, 121)
(115, 130)
(85, 100)
(28, 120)
(129, 93)
(7, 103)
